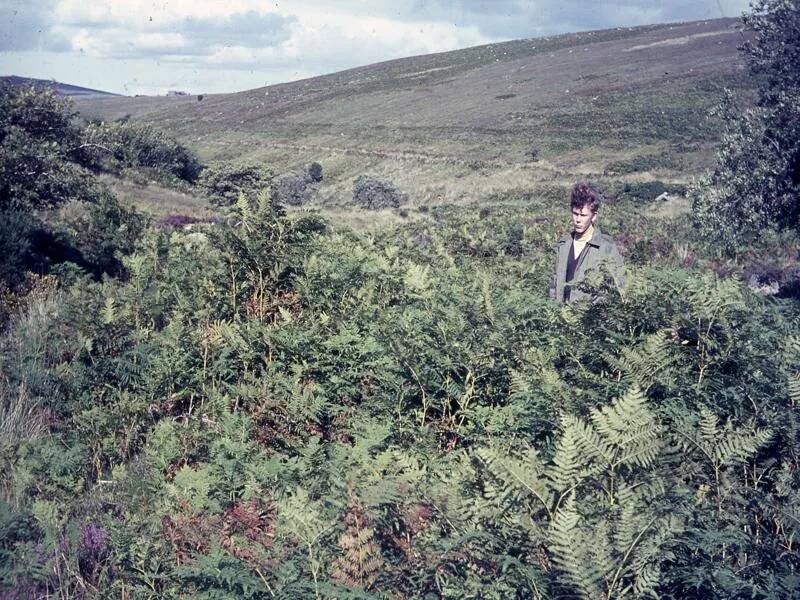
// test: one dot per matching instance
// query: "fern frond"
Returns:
(264, 201)
(595, 448)
(569, 551)
(708, 426)
(794, 390)
(518, 384)
(243, 209)
(712, 296)
(569, 460)
(630, 429)
(417, 279)
(653, 359)
(738, 446)
(301, 517)
(525, 473)
(109, 311)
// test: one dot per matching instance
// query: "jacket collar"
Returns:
(594, 240)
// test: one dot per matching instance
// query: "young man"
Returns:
(586, 250)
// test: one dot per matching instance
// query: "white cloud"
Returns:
(193, 41)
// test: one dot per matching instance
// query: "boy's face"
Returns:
(582, 218)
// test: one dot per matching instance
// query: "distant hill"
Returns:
(481, 122)
(64, 89)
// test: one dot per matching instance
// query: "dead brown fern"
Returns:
(361, 561)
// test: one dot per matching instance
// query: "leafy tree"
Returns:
(37, 140)
(43, 167)
(756, 182)
(42, 114)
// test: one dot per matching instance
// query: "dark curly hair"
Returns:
(584, 194)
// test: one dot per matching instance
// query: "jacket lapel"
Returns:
(564, 247)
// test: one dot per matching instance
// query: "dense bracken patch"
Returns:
(267, 406)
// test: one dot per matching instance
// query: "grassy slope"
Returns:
(457, 126)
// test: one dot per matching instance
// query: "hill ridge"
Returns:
(580, 102)
(65, 89)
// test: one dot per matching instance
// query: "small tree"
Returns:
(756, 182)
(37, 141)
(223, 182)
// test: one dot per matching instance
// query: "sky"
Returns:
(210, 46)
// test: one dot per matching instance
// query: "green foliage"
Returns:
(754, 185)
(102, 232)
(41, 114)
(270, 406)
(314, 171)
(16, 229)
(37, 173)
(222, 183)
(374, 193)
(131, 145)
(293, 189)
(40, 150)
(647, 191)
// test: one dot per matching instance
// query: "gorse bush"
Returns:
(222, 183)
(115, 146)
(270, 407)
(375, 193)
(297, 188)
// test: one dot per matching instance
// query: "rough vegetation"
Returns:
(374, 193)
(270, 405)
(297, 188)
(756, 181)
(43, 167)
(127, 145)
(222, 183)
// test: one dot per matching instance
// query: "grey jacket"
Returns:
(602, 256)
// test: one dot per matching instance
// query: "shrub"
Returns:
(756, 181)
(97, 235)
(314, 171)
(293, 189)
(646, 191)
(532, 153)
(40, 113)
(373, 193)
(134, 145)
(222, 182)
(297, 188)
(37, 142)
(37, 175)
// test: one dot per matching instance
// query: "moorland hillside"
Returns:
(481, 122)
(262, 403)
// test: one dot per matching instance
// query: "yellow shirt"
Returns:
(579, 243)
